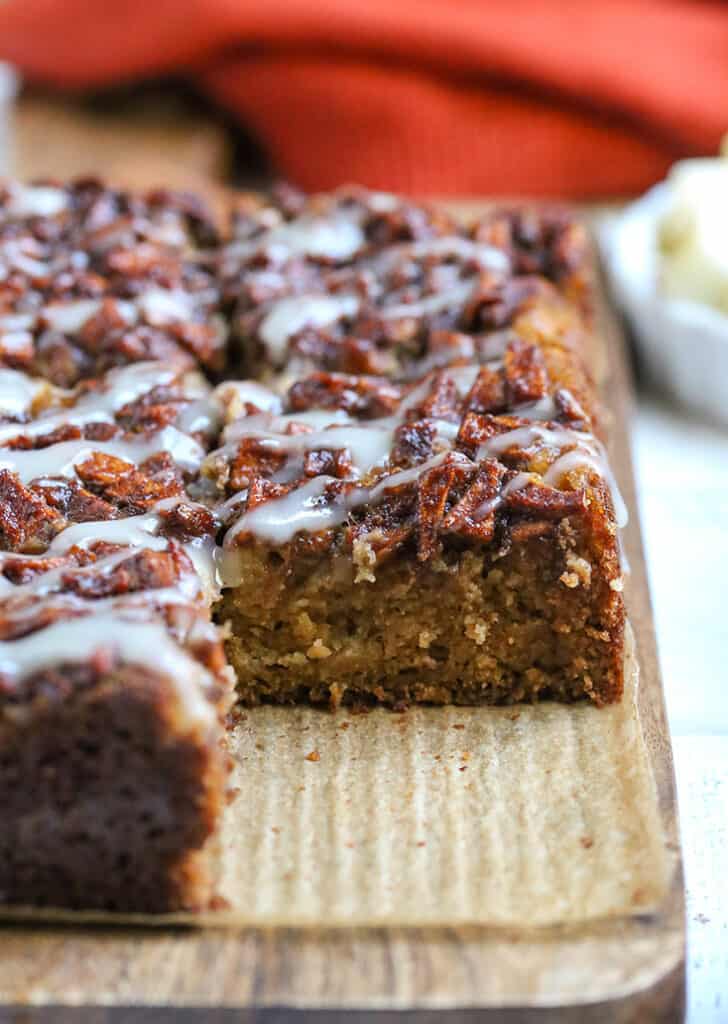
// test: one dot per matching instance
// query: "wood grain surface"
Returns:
(135, 144)
(622, 970)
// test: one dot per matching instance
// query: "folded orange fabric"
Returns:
(531, 97)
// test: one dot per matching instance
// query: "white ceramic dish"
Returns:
(8, 90)
(684, 344)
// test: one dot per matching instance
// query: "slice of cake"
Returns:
(113, 684)
(361, 282)
(92, 278)
(452, 540)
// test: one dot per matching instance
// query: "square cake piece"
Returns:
(449, 540)
(92, 278)
(366, 283)
(113, 684)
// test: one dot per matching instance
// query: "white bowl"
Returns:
(684, 344)
(8, 90)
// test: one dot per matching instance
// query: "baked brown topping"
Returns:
(367, 397)
(365, 283)
(127, 487)
(468, 452)
(92, 278)
(112, 448)
(25, 519)
(546, 241)
(186, 521)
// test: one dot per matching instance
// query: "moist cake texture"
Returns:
(453, 540)
(407, 501)
(113, 686)
(427, 514)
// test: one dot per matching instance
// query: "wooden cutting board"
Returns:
(615, 969)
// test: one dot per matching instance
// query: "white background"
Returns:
(682, 477)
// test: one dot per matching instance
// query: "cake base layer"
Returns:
(109, 796)
(470, 627)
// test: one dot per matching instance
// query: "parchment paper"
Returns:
(498, 816)
(519, 817)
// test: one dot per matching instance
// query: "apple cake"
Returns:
(407, 500)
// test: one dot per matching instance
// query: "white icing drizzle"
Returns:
(12, 322)
(34, 201)
(543, 409)
(129, 640)
(382, 202)
(17, 253)
(70, 317)
(487, 256)
(440, 359)
(168, 229)
(15, 341)
(202, 416)
(368, 446)
(462, 376)
(465, 376)
(121, 387)
(47, 593)
(278, 520)
(157, 306)
(597, 461)
(494, 345)
(403, 476)
(446, 432)
(17, 392)
(334, 236)
(431, 305)
(50, 581)
(133, 532)
(583, 452)
(201, 552)
(289, 315)
(518, 483)
(235, 394)
(369, 443)
(14, 334)
(160, 306)
(127, 624)
(61, 459)
(329, 236)
(267, 425)
(302, 510)
(524, 437)
(129, 383)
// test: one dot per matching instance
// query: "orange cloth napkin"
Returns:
(561, 97)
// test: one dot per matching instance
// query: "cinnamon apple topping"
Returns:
(467, 452)
(92, 278)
